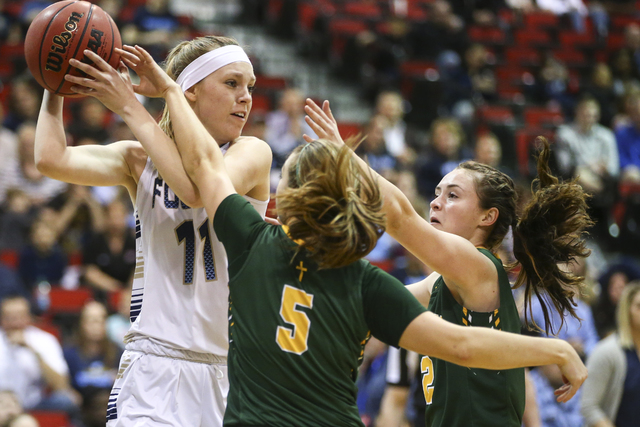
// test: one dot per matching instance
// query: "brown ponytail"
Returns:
(550, 232)
(331, 205)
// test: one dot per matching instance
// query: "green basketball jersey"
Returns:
(296, 334)
(464, 397)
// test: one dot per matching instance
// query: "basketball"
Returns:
(63, 31)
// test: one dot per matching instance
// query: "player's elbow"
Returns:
(45, 166)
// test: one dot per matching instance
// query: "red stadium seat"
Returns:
(570, 39)
(542, 117)
(498, 114)
(346, 26)
(532, 38)
(260, 103)
(572, 58)
(348, 129)
(417, 68)
(524, 56)
(9, 257)
(68, 301)
(615, 41)
(486, 35)
(540, 20)
(51, 418)
(364, 10)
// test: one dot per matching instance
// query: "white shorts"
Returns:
(160, 386)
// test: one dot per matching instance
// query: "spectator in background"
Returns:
(24, 102)
(390, 106)
(92, 357)
(588, 151)
(22, 172)
(374, 147)
(612, 283)
(110, 257)
(42, 260)
(552, 86)
(8, 142)
(488, 151)
(445, 153)
(628, 139)
(93, 406)
(601, 88)
(443, 31)
(155, 27)
(90, 119)
(39, 373)
(24, 420)
(16, 220)
(285, 126)
(477, 61)
(625, 76)
(118, 323)
(10, 284)
(611, 394)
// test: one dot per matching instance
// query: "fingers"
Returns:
(307, 138)
(319, 130)
(327, 110)
(272, 221)
(82, 84)
(97, 60)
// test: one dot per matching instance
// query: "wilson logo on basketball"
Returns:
(61, 41)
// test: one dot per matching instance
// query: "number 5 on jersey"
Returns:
(294, 339)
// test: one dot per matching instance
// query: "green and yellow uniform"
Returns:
(463, 397)
(296, 334)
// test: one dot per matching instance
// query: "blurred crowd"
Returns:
(57, 237)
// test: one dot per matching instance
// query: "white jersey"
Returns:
(180, 288)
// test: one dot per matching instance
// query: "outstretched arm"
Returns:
(114, 89)
(452, 256)
(486, 348)
(201, 155)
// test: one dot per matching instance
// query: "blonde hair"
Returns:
(332, 206)
(624, 313)
(181, 56)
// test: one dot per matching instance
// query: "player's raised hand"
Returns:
(322, 122)
(110, 86)
(154, 81)
(574, 373)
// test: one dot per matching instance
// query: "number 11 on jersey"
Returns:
(186, 233)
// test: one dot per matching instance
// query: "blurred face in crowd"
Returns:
(602, 75)
(42, 236)
(488, 150)
(375, 135)
(617, 282)
(116, 217)
(587, 115)
(27, 139)
(15, 315)
(634, 111)
(292, 102)
(632, 36)
(445, 140)
(390, 106)
(92, 321)
(93, 112)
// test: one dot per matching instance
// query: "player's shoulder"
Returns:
(250, 143)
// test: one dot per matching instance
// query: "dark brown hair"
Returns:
(549, 232)
(181, 56)
(331, 206)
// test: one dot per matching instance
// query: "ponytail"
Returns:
(331, 207)
(549, 233)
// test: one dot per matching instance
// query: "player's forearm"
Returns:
(52, 378)
(50, 140)
(194, 142)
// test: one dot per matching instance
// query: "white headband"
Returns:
(210, 62)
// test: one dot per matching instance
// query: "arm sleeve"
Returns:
(388, 306)
(237, 223)
(613, 161)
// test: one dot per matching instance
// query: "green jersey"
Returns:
(296, 334)
(464, 397)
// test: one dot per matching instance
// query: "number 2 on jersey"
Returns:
(185, 233)
(426, 367)
(294, 339)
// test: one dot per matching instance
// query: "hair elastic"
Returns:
(208, 63)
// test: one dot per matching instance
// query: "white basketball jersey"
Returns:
(180, 287)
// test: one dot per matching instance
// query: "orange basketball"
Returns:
(63, 31)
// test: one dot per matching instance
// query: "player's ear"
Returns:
(190, 94)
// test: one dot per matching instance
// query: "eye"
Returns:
(231, 83)
(452, 196)
(251, 89)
